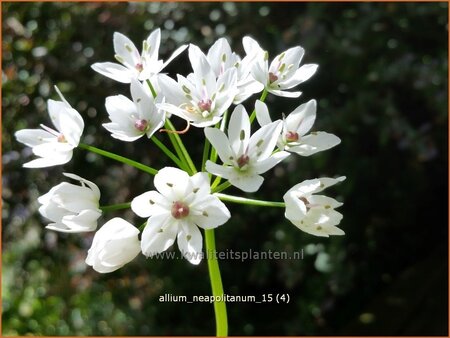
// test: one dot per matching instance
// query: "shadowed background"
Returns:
(381, 87)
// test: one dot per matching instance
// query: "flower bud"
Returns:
(114, 245)
(71, 207)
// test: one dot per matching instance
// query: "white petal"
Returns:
(262, 166)
(216, 51)
(210, 121)
(315, 185)
(153, 42)
(239, 130)
(53, 212)
(124, 135)
(150, 203)
(292, 56)
(295, 208)
(190, 242)
(260, 72)
(284, 93)
(219, 170)
(325, 201)
(49, 161)
(249, 182)
(85, 221)
(120, 110)
(177, 52)
(75, 198)
(52, 149)
(321, 224)
(54, 110)
(200, 184)
(174, 110)
(93, 186)
(204, 75)
(171, 90)
(115, 71)
(302, 118)
(264, 140)
(251, 45)
(220, 142)
(72, 126)
(126, 49)
(33, 137)
(262, 113)
(61, 96)
(159, 234)
(301, 75)
(209, 213)
(247, 89)
(315, 142)
(172, 183)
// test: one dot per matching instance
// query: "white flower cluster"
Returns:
(185, 201)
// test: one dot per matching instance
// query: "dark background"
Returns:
(381, 87)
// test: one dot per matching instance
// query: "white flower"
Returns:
(200, 98)
(114, 245)
(133, 119)
(244, 157)
(293, 137)
(54, 147)
(177, 209)
(71, 208)
(134, 65)
(221, 58)
(283, 72)
(311, 213)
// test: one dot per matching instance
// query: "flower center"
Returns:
(179, 210)
(292, 136)
(139, 67)
(272, 77)
(205, 105)
(61, 138)
(243, 160)
(141, 125)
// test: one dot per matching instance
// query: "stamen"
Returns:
(50, 130)
(307, 204)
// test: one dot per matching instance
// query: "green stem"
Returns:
(220, 308)
(216, 182)
(206, 148)
(142, 226)
(221, 187)
(106, 208)
(181, 146)
(151, 88)
(167, 151)
(262, 99)
(249, 201)
(175, 145)
(119, 158)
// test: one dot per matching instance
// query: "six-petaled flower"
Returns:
(179, 206)
(54, 147)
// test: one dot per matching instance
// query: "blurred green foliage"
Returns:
(381, 86)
